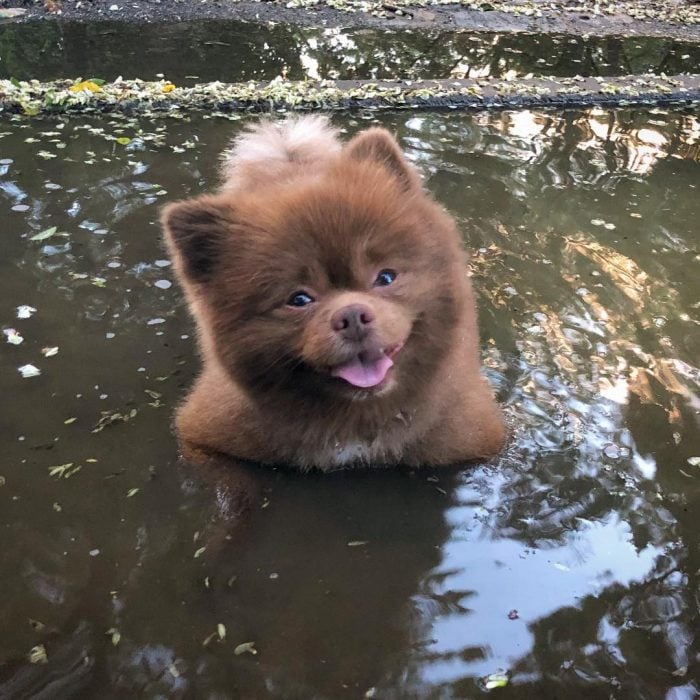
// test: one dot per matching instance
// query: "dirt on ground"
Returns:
(678, 19)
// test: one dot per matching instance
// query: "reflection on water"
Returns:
(239, 51)
(572, 564)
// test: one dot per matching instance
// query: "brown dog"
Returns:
(336, 319)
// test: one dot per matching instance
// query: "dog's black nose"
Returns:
(353, 322)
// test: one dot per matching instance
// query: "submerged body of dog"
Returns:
(336, 319)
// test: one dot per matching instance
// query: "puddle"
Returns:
(233, 51)
(573, 564)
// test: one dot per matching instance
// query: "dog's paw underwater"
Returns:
(336, 320)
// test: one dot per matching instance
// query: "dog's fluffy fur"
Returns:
(308, 380)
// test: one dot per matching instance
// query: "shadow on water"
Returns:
(572, 564)
(231, 51)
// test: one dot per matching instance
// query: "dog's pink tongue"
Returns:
(363, 372)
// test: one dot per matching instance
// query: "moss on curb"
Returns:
(164, 98)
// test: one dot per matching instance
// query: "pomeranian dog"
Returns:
(335, 315)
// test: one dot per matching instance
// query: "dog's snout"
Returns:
(353, 321)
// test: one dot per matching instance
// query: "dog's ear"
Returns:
(195, 232)
(379, 146)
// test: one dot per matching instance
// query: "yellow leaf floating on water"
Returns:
(168, 87)
(87, 85)
(496, 680)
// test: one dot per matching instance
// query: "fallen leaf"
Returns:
(496, 680)
(13, 337)
(37, 655)
(10, 12)
(45, 234)
(85, 85)
(245, 648)
(64, 471)
(25, 311)
(29, 371)
(208, 639)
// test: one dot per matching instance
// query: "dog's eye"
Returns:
(299, 299)
(385, 278)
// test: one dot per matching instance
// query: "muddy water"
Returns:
(188, 52)
(571, 566)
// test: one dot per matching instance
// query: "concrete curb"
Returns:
(163, 99)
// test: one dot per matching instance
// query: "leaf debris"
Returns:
(38, 655)
(46, 234)
(64, 471)
(496, 680)
(110, 417)
(245, 648)
(33, 97)
(28, 371)
(25, 311)
(13, 336)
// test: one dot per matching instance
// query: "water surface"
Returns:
(572, 564)
(187, 52)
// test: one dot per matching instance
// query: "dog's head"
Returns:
(341, 282)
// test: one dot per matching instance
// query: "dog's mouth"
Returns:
(368, 368)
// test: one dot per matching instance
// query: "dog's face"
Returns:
(341, 283)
